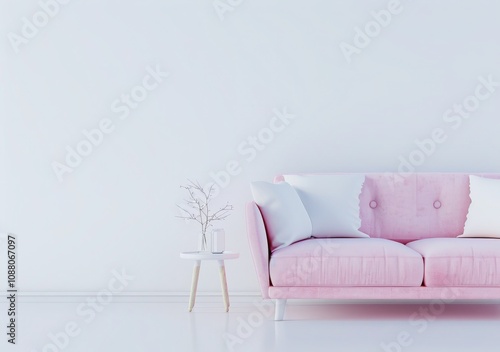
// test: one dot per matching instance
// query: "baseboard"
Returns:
(139, 296)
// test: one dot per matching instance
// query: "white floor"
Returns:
(122, 326)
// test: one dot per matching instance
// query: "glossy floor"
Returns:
(160, 326)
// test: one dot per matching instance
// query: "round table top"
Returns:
(198, 255)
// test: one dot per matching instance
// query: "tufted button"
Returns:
(373, 204)
(437, 204)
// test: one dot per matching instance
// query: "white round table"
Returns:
(198, 257)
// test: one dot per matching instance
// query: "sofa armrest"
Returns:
(259, 247)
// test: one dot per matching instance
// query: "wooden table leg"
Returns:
(194, 284)
(223, 281)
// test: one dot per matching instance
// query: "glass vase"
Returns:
(203, 245)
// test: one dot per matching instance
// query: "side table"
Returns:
(198, 257)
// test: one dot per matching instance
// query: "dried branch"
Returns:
(199, 203)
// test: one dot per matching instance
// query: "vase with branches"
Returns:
(197, 208)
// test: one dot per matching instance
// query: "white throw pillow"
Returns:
(284, 214)
(483, 218)
(332, 202)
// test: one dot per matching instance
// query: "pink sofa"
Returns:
(413, 251)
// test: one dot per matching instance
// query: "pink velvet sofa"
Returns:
(413, 251)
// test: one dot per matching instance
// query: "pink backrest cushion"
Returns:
(407, 207)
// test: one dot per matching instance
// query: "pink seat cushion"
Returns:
(346, 262)
(460, 261)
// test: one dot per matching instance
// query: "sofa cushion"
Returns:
(346, 262)
(284, 214)
(459, 261)
(332, 202)
(482, 217)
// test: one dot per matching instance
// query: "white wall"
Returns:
(116, 209)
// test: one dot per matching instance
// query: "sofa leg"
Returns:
(280, 309)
